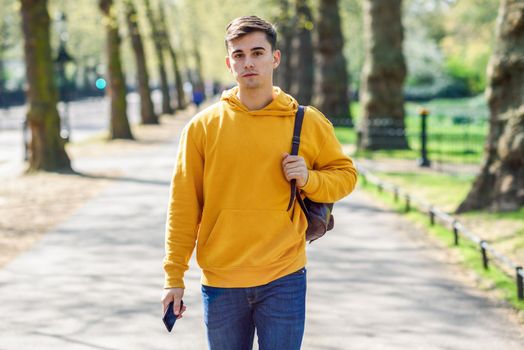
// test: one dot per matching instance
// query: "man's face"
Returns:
(251, 60)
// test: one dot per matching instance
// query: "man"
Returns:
(230, 193)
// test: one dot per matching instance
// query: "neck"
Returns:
(255, 99)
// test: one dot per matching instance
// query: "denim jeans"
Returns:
(276, 310)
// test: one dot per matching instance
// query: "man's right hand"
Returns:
(175, 295)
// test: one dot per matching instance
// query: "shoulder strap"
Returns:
(299, 118)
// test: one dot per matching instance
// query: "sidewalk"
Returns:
(95, 281)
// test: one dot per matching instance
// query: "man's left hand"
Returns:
(295, 168)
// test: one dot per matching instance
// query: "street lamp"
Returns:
(62, 58)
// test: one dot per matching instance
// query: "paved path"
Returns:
(95, 281)
(88, 117)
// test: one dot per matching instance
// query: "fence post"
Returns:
(520, 291)
(455, 232)
(380, 187)
(408, 207)
(484, 254)
(431, 216)
(395, 194)
(424, 161)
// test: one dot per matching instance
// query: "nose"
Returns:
(248, 63)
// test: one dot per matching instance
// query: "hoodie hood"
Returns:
(283, 105)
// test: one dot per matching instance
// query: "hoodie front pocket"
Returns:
(250, 238)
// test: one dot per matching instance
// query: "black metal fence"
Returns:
(487, 253)
(443, 147)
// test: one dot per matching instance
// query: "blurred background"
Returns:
(426, 94)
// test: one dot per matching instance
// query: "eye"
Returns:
(258, 53)
(237, 55)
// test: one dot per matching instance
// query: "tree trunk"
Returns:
(285, 26)
(4, 46)
(199, 81)
(119, 125)
(47, 148)
(302, 58)
(179, 84)
(3, 100)
(157, 43)
(331, 83)
(500, 185)
(384, 71)
(147, 111)
(180, 94)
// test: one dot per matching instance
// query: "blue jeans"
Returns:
(277, 310)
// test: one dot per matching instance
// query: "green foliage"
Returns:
(472, 76)
(469, 40)
(447, 44)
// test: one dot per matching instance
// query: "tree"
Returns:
(5, 44)
(284, 23)
(147, 111)
(331, 83)
(119, 124)
(166, 42)
(302, 57)
(383, 77)
(159, 50)
(199, 77)
(47, 148)
(500, 184)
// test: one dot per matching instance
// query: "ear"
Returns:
(276, 58)
(228, 63)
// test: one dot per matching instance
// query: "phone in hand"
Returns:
(169, 317)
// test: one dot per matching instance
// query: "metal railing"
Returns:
(489, 255)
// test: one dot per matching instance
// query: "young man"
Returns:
(230, 193)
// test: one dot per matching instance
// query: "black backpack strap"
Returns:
(295, 193)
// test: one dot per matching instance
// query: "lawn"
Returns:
(457, 129)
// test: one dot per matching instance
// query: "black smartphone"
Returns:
(169, 317)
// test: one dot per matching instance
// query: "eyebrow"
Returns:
(253, 49)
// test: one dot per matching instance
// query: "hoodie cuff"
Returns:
(174, 283)
(312, 182)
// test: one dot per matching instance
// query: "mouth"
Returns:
(249, 75)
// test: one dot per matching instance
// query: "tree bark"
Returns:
(179, 84)
(384, 72)
(147, 111)
(302, 58)
(285, 26)
(500, 184)
(180, 94)
(157, 43)
(3, 47)
(199, 81)
(47, 148)
(3, 100)
(119, 124)
(331, 82)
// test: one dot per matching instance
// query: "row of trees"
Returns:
(313, 69)
(331, 96)
(47, 148)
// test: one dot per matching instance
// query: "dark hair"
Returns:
(248, 24)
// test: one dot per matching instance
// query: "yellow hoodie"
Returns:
(229, 195)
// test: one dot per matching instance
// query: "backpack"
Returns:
(318, 215)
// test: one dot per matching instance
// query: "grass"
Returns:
(429, 186)
(457, 129)
(447, 191)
